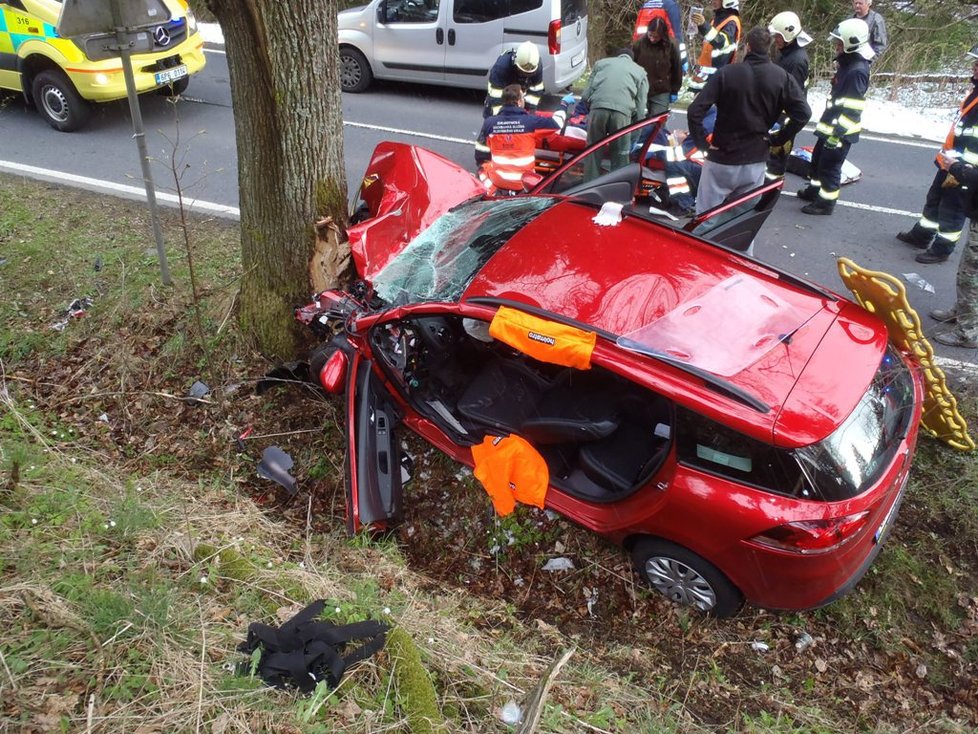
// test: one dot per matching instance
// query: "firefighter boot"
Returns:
(808, 193)
(916, 237)
(819, 206)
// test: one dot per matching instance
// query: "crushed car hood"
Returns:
(404, 190)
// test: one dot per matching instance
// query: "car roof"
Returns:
(671, 293)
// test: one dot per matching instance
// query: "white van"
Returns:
(456, 42)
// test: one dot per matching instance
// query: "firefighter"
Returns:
(790, 41)
(720, 39)
(520, 65)
(963, 315)
(840, 124)
(942, 221)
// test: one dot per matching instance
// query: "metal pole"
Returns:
(140, 136)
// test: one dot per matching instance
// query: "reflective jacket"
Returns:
(512, 120)
(842, 118)
(720, 39)
(962, 138)
(505, 72)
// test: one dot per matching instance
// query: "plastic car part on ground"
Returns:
(76, 310)
(883, 295)
(275, 465)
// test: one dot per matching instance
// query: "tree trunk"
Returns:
(284, 69)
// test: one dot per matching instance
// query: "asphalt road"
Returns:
(199, 131)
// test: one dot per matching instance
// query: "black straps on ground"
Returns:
(306, 650)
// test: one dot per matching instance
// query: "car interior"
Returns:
(602, 436)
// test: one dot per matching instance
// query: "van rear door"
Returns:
(568, 43)
(409, 39)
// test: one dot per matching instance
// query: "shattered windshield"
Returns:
(441, 261)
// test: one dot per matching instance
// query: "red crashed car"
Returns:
(744, 434)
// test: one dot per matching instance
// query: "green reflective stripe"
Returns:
(495, 92)
(970, 156)
(725, 51)
(824, 127)
(952, 236)
(710, 35)
(849, 125)
(815, 183)
(531, 100)
(853, 103)
(828, 195)
(926, 223)
(481, 147)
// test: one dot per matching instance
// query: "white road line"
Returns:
(414, 133)
(129, 192)
(867, 207)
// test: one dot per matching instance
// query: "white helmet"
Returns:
(731, 4)
(854, 34)
(527, 57)
(786, 24)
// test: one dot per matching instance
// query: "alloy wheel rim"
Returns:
(349, 72)
(680, 583)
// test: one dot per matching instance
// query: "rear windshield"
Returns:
(440, 262)
(571, 11)
(855, 455)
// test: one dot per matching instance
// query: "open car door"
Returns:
(597, 175)
(735, 223)
(374, 461)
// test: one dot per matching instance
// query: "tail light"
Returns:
(553, 37)
(812, 537)
(333, 374)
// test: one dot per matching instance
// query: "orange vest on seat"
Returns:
(511, 471)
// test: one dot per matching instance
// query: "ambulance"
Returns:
(62, 77)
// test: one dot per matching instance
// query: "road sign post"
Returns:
(117, 28)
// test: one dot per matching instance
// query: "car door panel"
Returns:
(374, 462)
(734, 224)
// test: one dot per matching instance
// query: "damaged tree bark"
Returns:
(283, 64)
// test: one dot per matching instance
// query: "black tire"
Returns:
(175, 89)
(58, 102)
(686, 579)
(355, 74)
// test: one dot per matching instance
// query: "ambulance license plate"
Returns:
(171, 75)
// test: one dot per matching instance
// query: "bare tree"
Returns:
(283, 63)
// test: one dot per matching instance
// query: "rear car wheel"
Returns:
(685, 578)
(58, 102)
(175, 89)
(355, 74)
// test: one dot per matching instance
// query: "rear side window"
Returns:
(483, 11)
(719, 450)
(571, 11)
